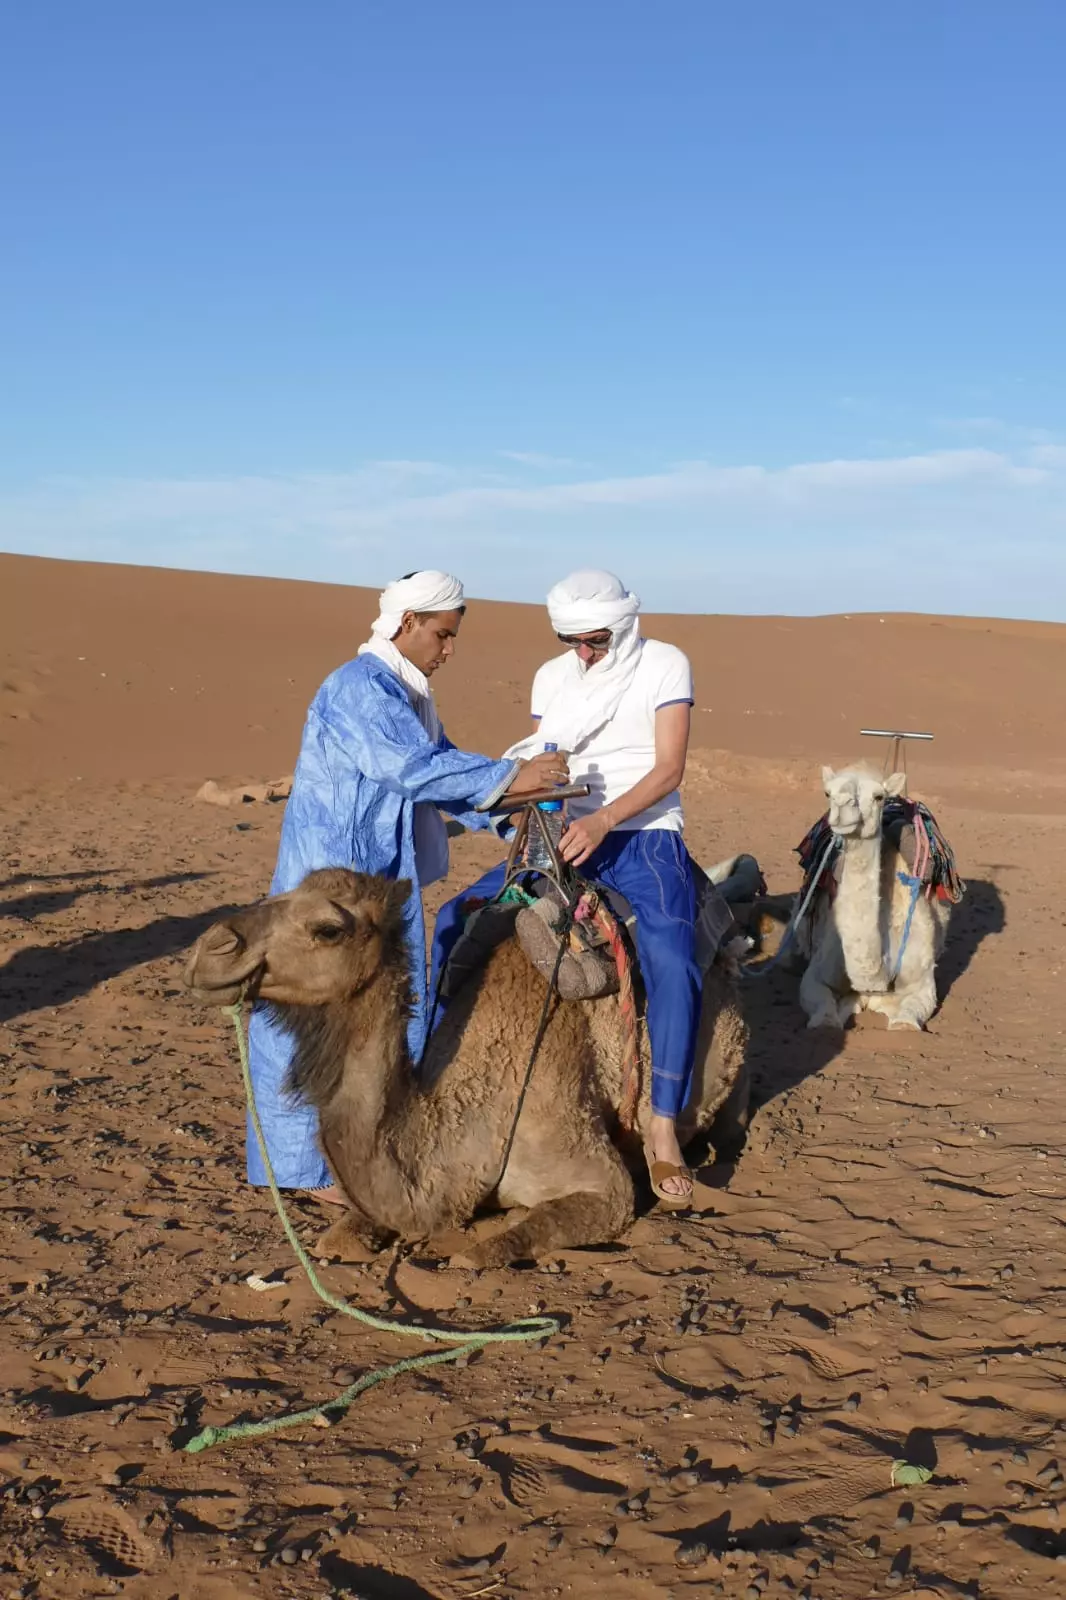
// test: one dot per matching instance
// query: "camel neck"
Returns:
(859, 911)
(354, 1051)
(376, 1075)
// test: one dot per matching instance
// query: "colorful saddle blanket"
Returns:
(911, 827)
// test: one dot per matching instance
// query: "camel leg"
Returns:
(595, 1211)
(560, 1224)
(730, 1126)
(915, 987)
(823, 1008)
(915, 1003)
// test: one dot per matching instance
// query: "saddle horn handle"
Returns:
(505, 807)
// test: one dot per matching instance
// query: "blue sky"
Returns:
(759, 304)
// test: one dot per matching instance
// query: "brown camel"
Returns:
(418, 1155)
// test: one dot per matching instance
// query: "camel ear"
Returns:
(897, 784)
(827, 776)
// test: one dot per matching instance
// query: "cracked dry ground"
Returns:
(881, 1277)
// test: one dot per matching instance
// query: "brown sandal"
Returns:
(660, 1172)
(331, 1195)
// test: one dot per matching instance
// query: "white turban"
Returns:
(422, 591)
(591, 599)
(586, 698)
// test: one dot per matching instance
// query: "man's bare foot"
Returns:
(661, 1148)
(330, 1196)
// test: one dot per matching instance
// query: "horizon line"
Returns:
(538, 605)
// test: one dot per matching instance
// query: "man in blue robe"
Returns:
(374, 772)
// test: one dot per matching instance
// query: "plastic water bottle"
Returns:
(550, 805)
(536, 854)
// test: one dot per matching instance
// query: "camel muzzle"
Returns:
(221, 966)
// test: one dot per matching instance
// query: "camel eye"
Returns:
(327, 932)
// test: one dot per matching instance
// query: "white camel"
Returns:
(853, 939)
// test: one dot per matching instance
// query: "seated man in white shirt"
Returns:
(620, 707)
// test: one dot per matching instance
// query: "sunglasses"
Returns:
(595, 641)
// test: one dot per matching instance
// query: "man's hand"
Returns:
(545, 771)
(584, 836)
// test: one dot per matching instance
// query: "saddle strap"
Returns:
(606, 924)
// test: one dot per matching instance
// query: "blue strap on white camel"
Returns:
(933, 868)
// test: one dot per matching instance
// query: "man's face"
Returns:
(590, 647)
(427, 638)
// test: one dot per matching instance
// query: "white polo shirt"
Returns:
(623, 751)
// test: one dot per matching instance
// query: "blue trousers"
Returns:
(653, 870)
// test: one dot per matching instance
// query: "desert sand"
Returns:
(880, 1276)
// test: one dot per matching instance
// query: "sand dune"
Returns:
(881, 1277)
(135, 673)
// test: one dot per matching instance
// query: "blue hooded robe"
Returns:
(365, 763)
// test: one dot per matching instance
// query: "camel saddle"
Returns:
(899, 833)
(588, 968)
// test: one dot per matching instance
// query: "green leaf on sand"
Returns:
(906, 1474)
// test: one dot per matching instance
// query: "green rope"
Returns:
(463, 1341)
(515, 895)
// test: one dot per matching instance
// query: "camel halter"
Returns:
(464, 1341)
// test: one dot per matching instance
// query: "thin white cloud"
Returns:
(696, 484)
(533, 458)
(973, 529)
(993, 428)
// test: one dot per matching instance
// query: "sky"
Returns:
(760, 305)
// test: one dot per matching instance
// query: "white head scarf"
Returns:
(421, 592)
(590, 600)
(588, 697)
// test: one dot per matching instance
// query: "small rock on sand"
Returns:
(245, 794)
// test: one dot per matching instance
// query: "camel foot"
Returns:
(349, 1239)
(826, 1019)
(906, 1022)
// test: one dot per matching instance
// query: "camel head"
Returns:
(324, 941)
(857, 799)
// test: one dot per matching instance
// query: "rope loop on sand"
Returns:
(462, 1342)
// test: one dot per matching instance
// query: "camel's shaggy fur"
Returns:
(418, 1155)
(852, 940)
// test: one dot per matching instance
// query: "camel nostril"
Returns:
(223, 940)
